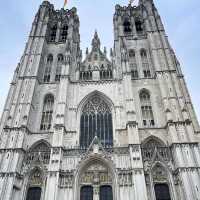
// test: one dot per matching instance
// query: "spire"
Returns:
(96, 42)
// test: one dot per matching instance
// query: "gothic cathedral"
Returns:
(99, 127)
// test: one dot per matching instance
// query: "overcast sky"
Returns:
(180, 17)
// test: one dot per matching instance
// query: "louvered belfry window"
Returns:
(96, 120)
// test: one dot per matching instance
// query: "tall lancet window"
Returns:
(64, 33)
(52, 34)
(146, 108)
(35, 185)
(145, 64)
(127, 26)
(47, 72)
(96, 120)
(138, 26)
(59, 67)
(47, 113)
(133, 64)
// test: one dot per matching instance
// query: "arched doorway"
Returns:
(35, 184)
(96, 182)
(161, 183)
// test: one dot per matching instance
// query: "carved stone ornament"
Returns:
(125, 178)
(159, 174)
(96, 174)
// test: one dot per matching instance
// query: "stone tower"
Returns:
(117, 127)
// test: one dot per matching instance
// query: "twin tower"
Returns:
(107, 127)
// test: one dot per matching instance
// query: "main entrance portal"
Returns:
(96, 183)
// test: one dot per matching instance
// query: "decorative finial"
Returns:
(96, 42)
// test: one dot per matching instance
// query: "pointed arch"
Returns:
(95, 93)
(139, 25)
(160, 178)
(52, 32)
(145, 63)
(40, 145)
(127, 25)
(48, 68)
(152, 141)
(146, 108)
(35, 184)
(63, 32)
(47, 113)
(101, 165)
(96, 120)
(60, 59)
(39, 153)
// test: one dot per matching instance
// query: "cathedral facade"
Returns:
(103, 127)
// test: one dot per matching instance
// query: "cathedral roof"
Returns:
(96, 59)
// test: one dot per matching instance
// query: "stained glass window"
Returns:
(96, 120)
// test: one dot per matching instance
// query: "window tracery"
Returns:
(59, 67)
(145, 64)
(47, 72)
(133, 64)
(53, 33)
(146, 108)
(96, 119)
(40, 153)
(64, 33)
(47, 113)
